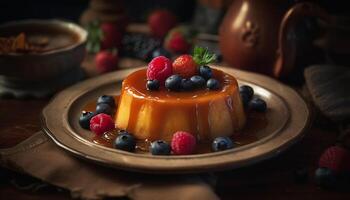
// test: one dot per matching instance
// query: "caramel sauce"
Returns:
(249, 134)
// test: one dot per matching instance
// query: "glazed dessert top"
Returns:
(135, 85)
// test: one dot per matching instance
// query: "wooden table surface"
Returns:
(271, 179)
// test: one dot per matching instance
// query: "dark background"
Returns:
(136, 9)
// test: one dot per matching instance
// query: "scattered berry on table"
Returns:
(104, 108)
(247, 90)
(205, 72)
(198, 81)
(160, 147)
(187, 84)
(84, 119)
(106, 99)
(179, 40)
(173, 82)
(141, 46)
(106, 61)
(161, 21)
(213, 84)
(185, 66)
(183, 143)
(152, 85)
(257, 104)
(160, 68)
(335, 158)
(325, 177)
(101, 123)
(125, 142)
(222, 143)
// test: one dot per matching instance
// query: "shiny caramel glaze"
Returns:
(249, 134)
(158, 114)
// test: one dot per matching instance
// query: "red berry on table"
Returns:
(160, 68)
(185, 66)
(161, 21)
(335, 158)
(183, 143)
(179, 40)
(101, 123)
(112, 36)
(106, 61)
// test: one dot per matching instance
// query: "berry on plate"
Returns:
(335, 158)
(107, 100)
(84, 119)
(222, 143)
(104, 108)
(106, 61)
(161, 21)
(125, 142)
(160, 68)
(213, 84)
(246, 90)
(101, 123)
(257, 104)
(160, 147)
(152, 85)
(185, 66)
(173, 82)
(183, 143)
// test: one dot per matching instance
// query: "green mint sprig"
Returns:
(202, 56)
(95, 35)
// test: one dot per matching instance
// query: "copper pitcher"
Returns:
(261, 36)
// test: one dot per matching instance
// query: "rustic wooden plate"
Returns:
(287, 115)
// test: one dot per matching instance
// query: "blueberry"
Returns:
(257, 105)
(247, 90)
(152, 85)
(160, 52)
(198, 81)
(187, 84)
(104, 108)
(213, 84)
(107, 100)
(325, 177)
(245, 99)
(205, 72)
(173, 82)
(160, 147)
(125, 142)
(222, 143)
(85, 118)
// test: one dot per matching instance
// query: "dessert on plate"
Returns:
(173, 106)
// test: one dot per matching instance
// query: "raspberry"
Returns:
(160, 68)
(183, 143)
(101, 123)
(335, 158)
(185, 66)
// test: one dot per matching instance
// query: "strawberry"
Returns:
(335, 158)
(161, 21)
(185, 66)
(106, 61)
(183, 143)
(103, 36)
(179, 40)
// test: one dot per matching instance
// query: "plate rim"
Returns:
(186, 168)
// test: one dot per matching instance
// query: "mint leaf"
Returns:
(202, 56)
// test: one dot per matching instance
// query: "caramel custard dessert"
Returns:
(180, 108)
(158, 114)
